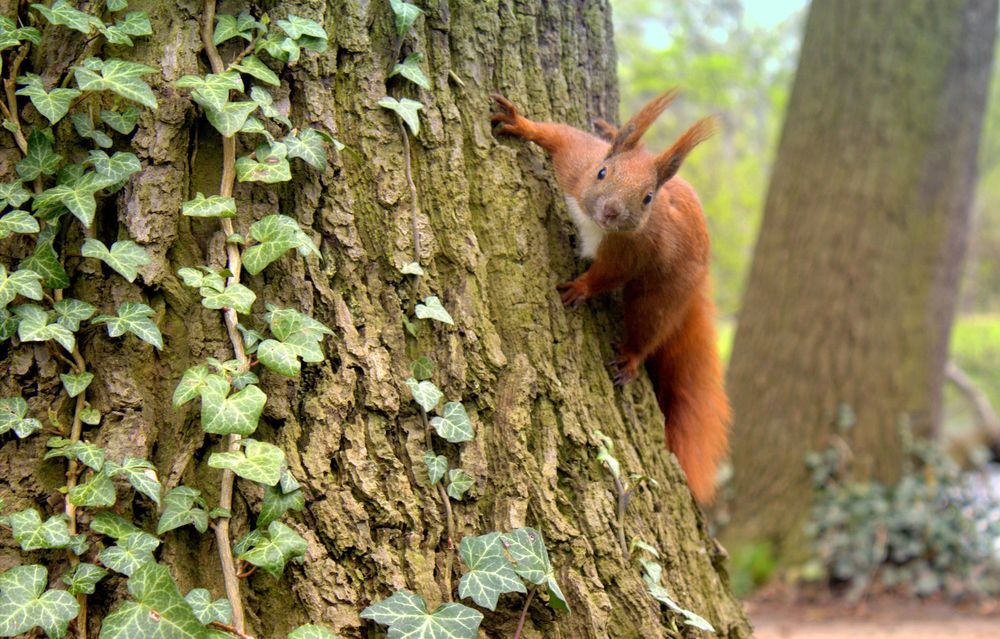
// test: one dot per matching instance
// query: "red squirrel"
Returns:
(645, 230)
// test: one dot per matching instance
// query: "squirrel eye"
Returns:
(602, 173)
(647, 199)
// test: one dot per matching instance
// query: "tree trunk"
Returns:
(854, 280)
(494, 240)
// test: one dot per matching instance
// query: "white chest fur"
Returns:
(590, 233)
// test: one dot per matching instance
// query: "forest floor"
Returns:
(884, 618)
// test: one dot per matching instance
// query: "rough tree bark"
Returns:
(854, 280)
(495, 239)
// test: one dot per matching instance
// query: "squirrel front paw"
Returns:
(625, 368)
(572, 294)
(509, 118)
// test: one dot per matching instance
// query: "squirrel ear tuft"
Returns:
(628, 136)
(669, 162)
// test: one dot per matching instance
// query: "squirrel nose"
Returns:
(610, 213)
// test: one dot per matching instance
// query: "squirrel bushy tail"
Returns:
(687, 376)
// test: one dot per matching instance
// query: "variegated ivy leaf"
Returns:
(212, 91)
(132, 551)
(406, 109)
(119, 76)
(432, 309)
(158, 610)
(279, 357)
(13, 416)
(40, 159)
(112, 525)
(83, 578)
(212, 206)
(307, 145)
(8, 325)
(407, 617)
(96, 491)
(85, 128)
(454, 424)
(135, 23)
(277, 502)
(269, 165)
(297, 27)
(34, 326)
(183, 506)
(311, 631)
(140, 473)
(86, 453)
(70, 312)
(265, 102)
(207, 610)
(11, 36)
(62, 12)
(406, 15)
(230, 118)
(21, 282)
(228, 27)
(116, 168)
(526, 547)
(437, 466)
(490, 572)
(258, 461)
(272, 550)
(76, 383)
(25, 603)
(235, 296)
(77, 195)
(203, 277)
(652, 572)
(122, 121)
(255, 126)
(251, 65)
(411, 268)
(459, 483)
(410, 69)
(45, 261)
(32, 534)
(423, 368)
(424, 393)
(298, 334)
(125, 256)
(54, 105)
(275, 234)
(134, 318)
(192, 382)
(604, 450)
(90, 416)
(13, 194)
(116, 5)
(224, 414)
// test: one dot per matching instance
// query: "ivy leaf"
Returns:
(21, 282)
(437, 466)
(406, 15)
(311, 631)
(90, 416)
(90, 455)
(77, 195)
(13, 194)
(455, 425)
(410, 69)
(157, 611)
(233, 414)
(265, 102)
(251, 65)
(227, 27)
(112, 525)
(13, 416)
(277, 502)
(652, 572)
(275, 234)
(85, 128)
(258, 461)
(531, 560)
(70, 312)
(212, 90)
(406, 109)
(180, 508)
(125, 256)
(212, 206)
(133, 317)
(29, 531)
(119, 76)
(40, 159)
(17, 221)
(459, 482)
(45, 262)
(97, 491)
(207, 610)
(411, 268)
(424, 393)
(8, 325)
(133, 550)
(76, 383)
(270, 166)
(115, 168)
(83, 578)
(432, 309)
(34, 326)
(122, 121)
(54, 105)
(307, 145)
(135, 23)
(490, 572)
(192, 382)
(24, 603)
(116, 5)
(297, 27)
(141, 474)
(298, 333)
(229, 119)
(279, 357)
(235, 296)
(604, 454)
(272, 550)
(203, 277)
(64, 13)
(422, 368)
(406, 615)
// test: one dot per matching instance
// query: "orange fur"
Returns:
(656, 248)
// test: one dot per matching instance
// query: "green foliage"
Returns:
(407, 617)
(491, 573)
(132, 317)
(32, 534)
(34, 325)
(531, 561)
(76, 383)
(433, 309)
(406, 15)
(40, 159)
(213, 206)
(118, 76)
(652, 573)
(752, 566)
(454, 425)
(26, 604)
(278, 500)
(84, 452)
(311, 631)
(406, 109)
(225, 414)
(83, 578)
(124, 256)
(258, 461)
(410, 69)
(54, 105)
(122, 121)
(139, 473)
(271, 550)
(275, 234)
(14, 416)
(437, 466)
(459, 482)
(97, 491)
(207, 610)
(156, 610)
(132, 551)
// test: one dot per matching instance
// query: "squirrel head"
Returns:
(620, 194)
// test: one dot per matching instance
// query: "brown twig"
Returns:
(623, 499)
(10, 88)
(524, 613)
(414, 205)
(448, 514)
(230, 629)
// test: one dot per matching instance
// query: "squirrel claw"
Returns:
(570, 294)
(624, 369)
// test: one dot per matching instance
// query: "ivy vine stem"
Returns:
(448, 514)
(235, 264)
(524, 613)
(623, 499)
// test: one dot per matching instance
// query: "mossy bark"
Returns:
(855, 275)
(494, 238)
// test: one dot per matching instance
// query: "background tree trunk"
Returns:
(854, 279)
(494, 240)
